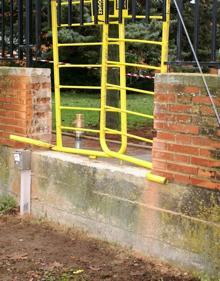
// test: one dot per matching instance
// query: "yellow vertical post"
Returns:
(56, 73)
(104, 78)
(165, 39)
(123, 97)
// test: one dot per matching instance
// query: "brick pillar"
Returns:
(187, 147)
(25, 104)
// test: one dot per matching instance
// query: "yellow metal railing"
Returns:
(104, 67)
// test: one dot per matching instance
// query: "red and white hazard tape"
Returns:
(140, 76)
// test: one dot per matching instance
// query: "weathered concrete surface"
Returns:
(174, 223)
(9, 176)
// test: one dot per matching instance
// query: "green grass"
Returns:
(135, 102)
(7, 204)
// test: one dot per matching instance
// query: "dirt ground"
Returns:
(33, 250)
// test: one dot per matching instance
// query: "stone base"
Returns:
(173, 223)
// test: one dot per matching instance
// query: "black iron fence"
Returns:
(21, 28)
(24, 22)
(202, 18)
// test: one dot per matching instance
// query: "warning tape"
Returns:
(128, 74)
(140, 76)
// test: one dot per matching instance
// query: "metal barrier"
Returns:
(21, 29)
(102, 14)
(197, 10)
(22, 25)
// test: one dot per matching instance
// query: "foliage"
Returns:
(7, 204)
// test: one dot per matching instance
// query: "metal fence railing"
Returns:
(202, 20)
(21, 28)
(22, 23)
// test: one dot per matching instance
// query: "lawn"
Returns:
(135, 102)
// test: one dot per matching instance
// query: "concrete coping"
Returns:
(97, 163)
(24, 71)
(188, 79)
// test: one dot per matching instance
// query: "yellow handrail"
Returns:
(104, 67)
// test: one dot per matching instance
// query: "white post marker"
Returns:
(22, 159)
(25, 196)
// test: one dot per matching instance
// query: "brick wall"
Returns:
(25, 104)
(187, 147)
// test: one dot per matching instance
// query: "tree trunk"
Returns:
(113, 96)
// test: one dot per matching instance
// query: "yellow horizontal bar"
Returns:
(85, 44)
(155, 178)
(79, 65)
(79, 129)
(31, 141)
(109, 131)
(80, 87)
(136, 65)
(75, 2)
(117, 87)
(79, 44)
(79, 108)
(137, 41)
(130, 112)
(80, 151)
(144, 17)
(127, 158)
(77, 24)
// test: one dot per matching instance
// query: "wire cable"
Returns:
(198, 64)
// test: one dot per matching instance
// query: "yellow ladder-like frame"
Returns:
(105, 86)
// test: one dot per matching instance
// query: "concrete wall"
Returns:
(173, 223)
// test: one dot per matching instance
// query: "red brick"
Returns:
(182, 158)
(14, 107)
(20, 115)
(183, 128)
(160, 145)
(159, 125)
(201, 182)
(161, 107)
(192, 89)
(159, 165)
(166, 136)
(181, 108)
(165, 98)
(184, 98)
(183, 149)
(206, 173)
(206, 152)
(205, 141)
(183, 118)
(183, 139)
(164, 117)
(162, 155)
(205, 100)
(205, 162)
(182, 179)
(206, 110)
(182, 168)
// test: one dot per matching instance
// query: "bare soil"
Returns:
(33, 250)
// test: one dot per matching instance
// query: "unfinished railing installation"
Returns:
(105, 14)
